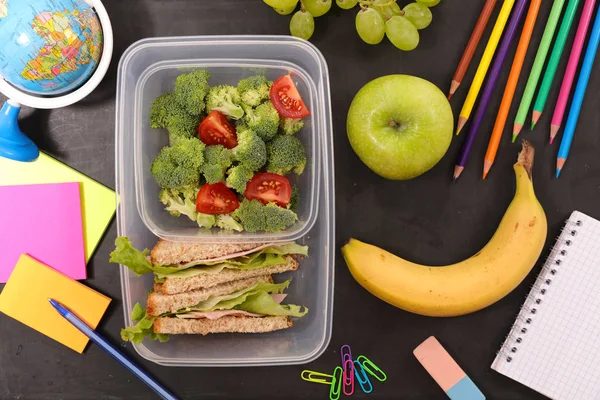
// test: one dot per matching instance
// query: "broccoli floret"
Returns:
(291, 126)
(251, 216)
(181, 125)
(161, 109)
(263, 120)
(167, 113)
(278, 218)
(180, 202)
(254, 216)
(191, 90)
(206, 220)
(295, 200)
(251, 150)
(179, 165)
(216, 160)
(238, 177)
(226, 221)
(254, 90)
(286, 154)
(226, 100)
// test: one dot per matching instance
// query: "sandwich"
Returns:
(210, 288)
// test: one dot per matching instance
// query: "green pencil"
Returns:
(559, 46)
(538, 65)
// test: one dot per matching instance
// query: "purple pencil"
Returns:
(490, 84)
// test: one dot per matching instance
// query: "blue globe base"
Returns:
(13, 143)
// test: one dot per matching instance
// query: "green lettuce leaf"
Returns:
(256, 299)
(138, 312)
(229, 301)
(136, 260)
(132, 258)
(262, 303)
(290, 248)
(260, 261)
(142, 328)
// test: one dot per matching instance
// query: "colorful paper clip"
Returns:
(362, 378)
(336, 385)
(317, 377)
(346, 353)
(348, 366)
(372, 369)
(348, 378)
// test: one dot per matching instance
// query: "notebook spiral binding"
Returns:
(541, 287)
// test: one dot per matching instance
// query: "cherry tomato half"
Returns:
(216, 129)
(269, 188)
(287, 100)
(216, 199)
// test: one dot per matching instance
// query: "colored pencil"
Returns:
(582, 82)
(112, 351)
(490, 84)
(557, 50)
(511, 85)
(567, 83)
(538, 64)
(465, 60)
(484, 64)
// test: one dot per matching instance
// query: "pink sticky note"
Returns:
(45, 222)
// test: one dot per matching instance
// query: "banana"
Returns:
(472, 284)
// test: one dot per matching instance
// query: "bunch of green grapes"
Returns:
(376, 18)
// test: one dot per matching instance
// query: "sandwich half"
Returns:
(251, 305)
(183, 267)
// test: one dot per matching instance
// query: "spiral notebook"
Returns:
(554, 344)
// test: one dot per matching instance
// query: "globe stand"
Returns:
(13, 143)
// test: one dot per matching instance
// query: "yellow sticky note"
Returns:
(98, 202)
(25, 298)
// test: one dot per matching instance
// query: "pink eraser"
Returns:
(445, 371)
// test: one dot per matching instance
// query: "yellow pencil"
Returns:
(484, 64)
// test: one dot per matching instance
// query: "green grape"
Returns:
(418, 14)
(370, 26)
(285, 11)
(317, 7)
(346, 4)
(429, 3)
(388, 12)
(302, 24)
(402, 33)
(281, 4)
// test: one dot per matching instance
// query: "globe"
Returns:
(48, 47)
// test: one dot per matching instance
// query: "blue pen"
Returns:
(584, 77)
(110, 349)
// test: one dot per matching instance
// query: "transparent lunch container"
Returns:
(153, 65)
(312, 285)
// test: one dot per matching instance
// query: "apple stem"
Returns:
(394, 124)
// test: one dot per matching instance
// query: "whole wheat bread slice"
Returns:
(163, 303)
(180, 285)
(229, 324)
(173, 253)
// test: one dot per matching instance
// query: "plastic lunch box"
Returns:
(154, 65)
(312, 285)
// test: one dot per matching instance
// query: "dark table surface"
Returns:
(428, 220)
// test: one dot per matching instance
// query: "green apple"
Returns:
(400, 126)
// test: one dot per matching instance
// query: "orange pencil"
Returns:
(511, 85)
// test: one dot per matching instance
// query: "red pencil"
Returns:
(461, 70)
